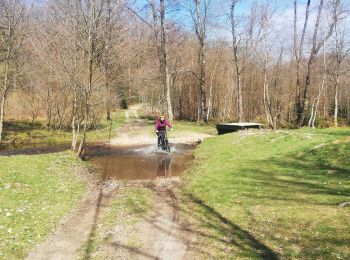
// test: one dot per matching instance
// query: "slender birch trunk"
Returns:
(211, 85)
(336, 93)
(316, 101)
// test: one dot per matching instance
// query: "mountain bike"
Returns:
(163, 142)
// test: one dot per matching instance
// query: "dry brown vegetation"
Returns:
(71, 63)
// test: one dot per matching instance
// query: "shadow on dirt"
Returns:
(135, 251)
(227, 233)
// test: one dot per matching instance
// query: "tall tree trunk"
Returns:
(108, 100)
(164, 62)
(160, 44)
(74, 121)
(266, 97)
(88, 89)
(107, 61)
(316, 101)
(2, 107)
(211, 84)
(4, 90)
(336, 93)
(266, 87)
(348, 111)
(168, 94)
(202, 81)
(298, 51)
(236, 62)
(316, 46)
(201, 33)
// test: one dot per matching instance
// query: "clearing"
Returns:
(80, 234)
(252, 194)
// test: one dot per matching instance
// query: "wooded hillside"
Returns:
(71, 63)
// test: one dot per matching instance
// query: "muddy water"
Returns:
(145, 162)
(123, 163)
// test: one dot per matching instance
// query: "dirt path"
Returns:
(139, 132)
(159, 231)
(159, 235)
(75, 230)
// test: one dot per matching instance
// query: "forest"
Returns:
(108, 145)
(71, 63)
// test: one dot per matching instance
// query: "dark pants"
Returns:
(160, 135)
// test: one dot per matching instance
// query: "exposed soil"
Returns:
(159, 231)
(77, 226)
(159, 234)
(137, 132)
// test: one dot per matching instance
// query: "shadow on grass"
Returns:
(228, 232)
(315, 182)
(22, 125)
(225, 235)
(293, 179)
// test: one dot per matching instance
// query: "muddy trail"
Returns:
(130, 156)
(159, 233)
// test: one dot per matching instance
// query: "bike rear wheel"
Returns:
(166, 146)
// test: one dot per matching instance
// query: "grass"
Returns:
(183, 127)
(271, 195)
(25, 132)
(102, 133)
(124, 210)
(36, 192)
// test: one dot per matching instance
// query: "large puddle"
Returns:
(145, 162)
(122, 163)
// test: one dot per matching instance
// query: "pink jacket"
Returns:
(159, 126)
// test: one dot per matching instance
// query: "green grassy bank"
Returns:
(36, 191)
(271, 195)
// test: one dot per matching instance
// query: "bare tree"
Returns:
(316, 100)
(316, 46)
(265, 24)
(298, 53)
(238, 70)
(160, 42)
(92, 15)
(12, 26)
(340, 52)
(213, 74)
(201, 23)
(85, 55)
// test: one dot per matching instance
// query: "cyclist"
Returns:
(160, 126)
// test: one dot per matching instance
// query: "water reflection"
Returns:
(130, 165)
(164, 169)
